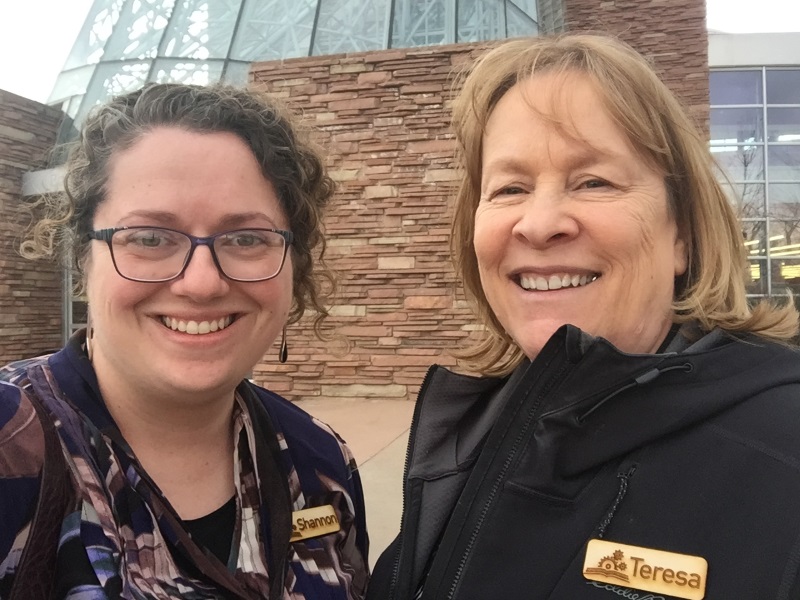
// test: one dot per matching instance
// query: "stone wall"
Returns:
(672, 34)
(383, 119)
(30, 292)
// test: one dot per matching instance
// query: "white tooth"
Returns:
(165, 321)
(213, 326)
(554, 282)
(181, 325)
(527, 283)
(222, 324)
(228, 320)
(173, 324)
(583, 279)
(565, 281)
(576, 279)
(203, 327)
(191, 327)
(541, 284)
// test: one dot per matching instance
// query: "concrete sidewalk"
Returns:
(377, 433)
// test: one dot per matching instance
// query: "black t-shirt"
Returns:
(215, 530)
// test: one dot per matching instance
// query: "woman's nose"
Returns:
(545, 219)
(202, 277)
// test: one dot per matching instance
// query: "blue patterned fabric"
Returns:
(125, 531)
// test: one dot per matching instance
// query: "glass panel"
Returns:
(274, 29)
(71, 83)
(139, 30)
(755, 238)
(783, 124)
(480, 20)
(186, 71)
(111, 80)
(736, 125)
(783, 86)
(735, 87)
(201, 29)
(527, 6)
(236, 73)
(347, 26)
(784, 232)
(96, 30)
(422, 23)
(784, 162)
(518, 24)
(757, 282)
(786, 275)
(784, 192)
(740, 163)
(747, 199)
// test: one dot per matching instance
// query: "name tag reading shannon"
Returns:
(314, 522)
(679, 575)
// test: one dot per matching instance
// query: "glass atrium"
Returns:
(126, 43)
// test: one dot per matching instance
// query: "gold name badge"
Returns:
(314, 522)
(679, 575)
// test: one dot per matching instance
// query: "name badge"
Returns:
(679, 575)
(314, 522)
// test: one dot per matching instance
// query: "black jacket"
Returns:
(694, 452)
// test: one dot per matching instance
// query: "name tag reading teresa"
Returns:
(679, 575)
(314, 522)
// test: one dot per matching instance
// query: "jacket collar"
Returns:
(606, 404)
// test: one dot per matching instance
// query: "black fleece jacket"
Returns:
(692, 452)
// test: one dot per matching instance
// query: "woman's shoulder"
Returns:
(21, 434)
(22, 450)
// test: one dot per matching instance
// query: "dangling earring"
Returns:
(89, 335)
(283, 353)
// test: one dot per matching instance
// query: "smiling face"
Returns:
(201, 184)
(572, 228)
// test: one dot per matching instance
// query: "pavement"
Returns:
(377, 433)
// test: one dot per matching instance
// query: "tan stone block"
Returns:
(380, 191)
(348, 310)
(348, 68)
(396, 262)
(428, 302)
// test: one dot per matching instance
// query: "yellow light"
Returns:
(755, 271)
(790, 271)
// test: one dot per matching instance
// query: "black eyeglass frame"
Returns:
(105, 235)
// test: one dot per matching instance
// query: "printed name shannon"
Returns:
(302, 524)
(682, 578)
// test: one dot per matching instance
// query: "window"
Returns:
(755, 138)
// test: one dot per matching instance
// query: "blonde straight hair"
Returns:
(712, 292)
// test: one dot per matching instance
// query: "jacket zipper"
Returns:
(532, 415)
(409, 451)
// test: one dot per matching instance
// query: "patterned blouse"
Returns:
(299, 505)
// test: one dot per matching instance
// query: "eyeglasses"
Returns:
(158, 254)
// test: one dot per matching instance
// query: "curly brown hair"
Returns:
(288, 159)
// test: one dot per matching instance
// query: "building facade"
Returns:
(382, 114)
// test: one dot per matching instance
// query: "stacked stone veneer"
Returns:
(30, 292)
(383, 119)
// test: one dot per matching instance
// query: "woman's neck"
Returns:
(185, 444)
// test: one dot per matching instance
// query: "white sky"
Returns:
(37, 35)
